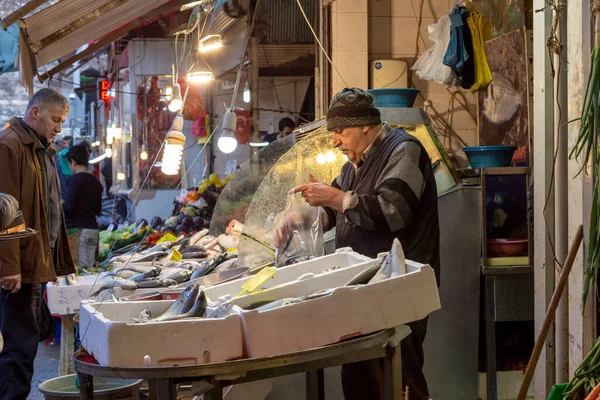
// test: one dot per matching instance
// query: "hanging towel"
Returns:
(456, 53)
(480, 31)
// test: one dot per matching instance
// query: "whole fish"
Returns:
(204, 268)
(179, 275)
(185, 300)
(195, 255)
(182, 243)
(153, 273)
(71, 279)
(152, 257)
(197, 236)
(155, 282)
(205, 240)
(226, 265)
(164, 246)
(192, 249)
(116, 282)
(122, 273)
(197, 311)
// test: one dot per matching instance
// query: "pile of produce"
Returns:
(120, 238)
(586, 380)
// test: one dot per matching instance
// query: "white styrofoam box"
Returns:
(108, 332)
(343, 258)
(64, 299)
(345, 313)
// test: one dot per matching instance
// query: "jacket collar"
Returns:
(28, 135)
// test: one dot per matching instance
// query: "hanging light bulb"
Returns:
(173, 152)
(246, 95)
(176, 100)
(117, 132)
(120, 174)
(227, 143)
(321, 159)
(108, 152)
(109, 133)
(144, 153)
(97, 143)
(330, 157)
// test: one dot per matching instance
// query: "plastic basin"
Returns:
(506, 247)
(64, 387)
(490, 156)
(394, 97)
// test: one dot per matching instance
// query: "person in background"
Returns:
(83, 202)
(385, 191)
(286, 127)
(28, 173)
(61, 143)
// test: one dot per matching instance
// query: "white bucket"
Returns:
(64, 387)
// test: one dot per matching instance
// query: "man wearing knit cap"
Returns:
(386, 191)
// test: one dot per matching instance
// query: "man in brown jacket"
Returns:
(28, 173)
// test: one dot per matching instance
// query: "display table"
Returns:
(163, 381)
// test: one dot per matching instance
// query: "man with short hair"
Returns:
(28, 173)
(385, 191)
(286, 127)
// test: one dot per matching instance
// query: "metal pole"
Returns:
(561, 212)
(543, 157)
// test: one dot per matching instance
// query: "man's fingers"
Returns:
(301, 188)
(16, 288)
(312, 178)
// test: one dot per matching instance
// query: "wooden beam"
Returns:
(111, 37)
(78, 23)
(20, 13)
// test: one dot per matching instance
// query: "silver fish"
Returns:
(153, 273)
(116, 282)
(152, 257)
(179, 275)
(226, 265)
(197, 236)
(204, 268)
(155, 282)
(185, 300)
(193, 249)
(197, 311)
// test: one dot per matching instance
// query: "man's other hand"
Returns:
(11, 283)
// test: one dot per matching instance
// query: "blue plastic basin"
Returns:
(490, 156)
(394, 97)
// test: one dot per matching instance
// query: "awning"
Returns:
(62, 28)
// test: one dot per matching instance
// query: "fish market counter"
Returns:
(211, 379)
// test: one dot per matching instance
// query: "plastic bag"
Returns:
(429, 66)
(301, 224)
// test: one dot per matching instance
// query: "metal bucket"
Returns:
(64, 387)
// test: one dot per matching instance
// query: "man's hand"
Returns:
(11, 283)
(319, 194)
(286, 226)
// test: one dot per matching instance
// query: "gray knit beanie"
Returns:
(352, 107)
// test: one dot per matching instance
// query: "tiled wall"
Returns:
(368, 30)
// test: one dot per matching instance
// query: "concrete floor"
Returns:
(46, 367)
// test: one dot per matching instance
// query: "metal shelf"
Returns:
(506, 171)
(506, 270)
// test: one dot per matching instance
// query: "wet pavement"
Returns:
(46, 367)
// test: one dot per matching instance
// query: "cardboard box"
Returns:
(347, 312)
(109, 333)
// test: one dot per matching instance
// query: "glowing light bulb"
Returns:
(144, 153)
(116, 131)
(210, 43)
(120, 176)
(246, 94)
(227, 143)
(321, 159)
(173, 152)
(176, 100)
(200, 77)
(108, 152)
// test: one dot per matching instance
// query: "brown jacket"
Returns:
(21, 177)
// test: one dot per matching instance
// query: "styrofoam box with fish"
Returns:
(344, 313)
(341, 259)
(109, 333)
(64, 299)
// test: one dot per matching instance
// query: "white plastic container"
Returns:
(342, 258)
(347, 312)
(64, 299)
(109, 333)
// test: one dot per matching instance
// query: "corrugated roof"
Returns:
(275, 55)
(281, 22)
(69, 24)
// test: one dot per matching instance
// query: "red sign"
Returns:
(243, 127)
(104, 88)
